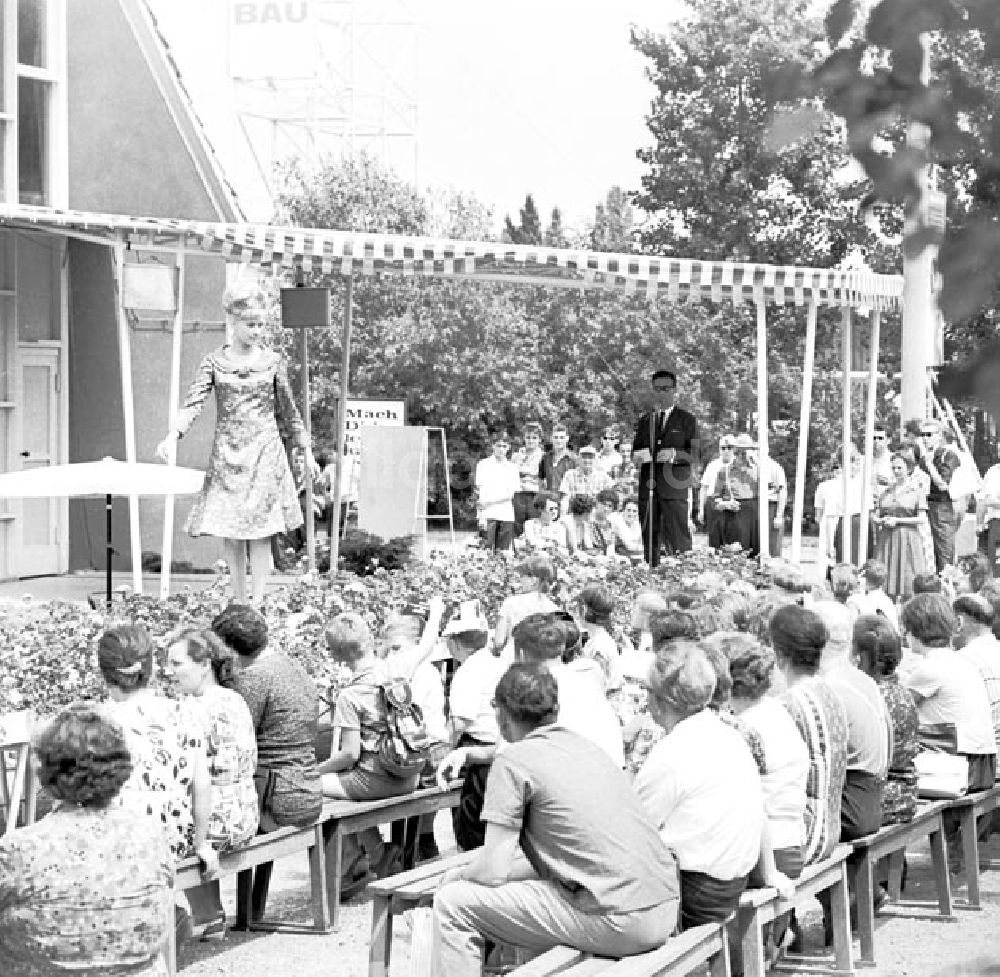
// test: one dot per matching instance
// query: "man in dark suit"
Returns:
(665, 445)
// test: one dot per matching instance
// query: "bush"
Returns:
(365, 553)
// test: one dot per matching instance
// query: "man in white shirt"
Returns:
(716, 508)
(701, 787)
(975, 641)
(497, 481)
(609, 460)
(829, 507)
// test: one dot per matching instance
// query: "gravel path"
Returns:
(911, 944)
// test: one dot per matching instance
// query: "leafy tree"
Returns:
(718, 186)
(555, 236)
(529, 230)
(613, 223)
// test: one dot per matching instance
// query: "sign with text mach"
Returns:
(370, 413)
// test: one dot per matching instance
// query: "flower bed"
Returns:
(47, 648)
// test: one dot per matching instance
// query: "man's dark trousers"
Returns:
(670, 527)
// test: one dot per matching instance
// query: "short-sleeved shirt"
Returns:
(947, 462)
(85, 891)
(984, 653)
(577, 482)
(869, 730)
(584, 708)
(581, 824)
(497, 482)
(472, 688)
(786, 771)
(164, 748)
(950, 690)
(358, 708)
(701, 787)
(284, 706)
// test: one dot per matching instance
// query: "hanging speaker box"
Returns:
(304, 308)
(148, 288)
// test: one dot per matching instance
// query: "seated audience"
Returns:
(869, 729)
(356, 770)
(873, 599)
(284, 707)
(546, 531)
(975, 642)
(473, 721)
(531, 581)
(602, 529)
(700, 786)
(878, 651)
(843, 582)
(170, 781)
(798, 636)
(197, 662)
(89, 888)
(927, 583)
(551, 871)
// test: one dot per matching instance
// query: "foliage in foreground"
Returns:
(47, 649)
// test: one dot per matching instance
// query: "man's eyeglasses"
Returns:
(666, 389)
(927, 434)
(878, 437)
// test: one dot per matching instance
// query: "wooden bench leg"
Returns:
(865, 892)
(719, 965)
(970, 852)
(749, 942)
(335, 870)
(841, 915)
(942, 879)
(244, 898)
(318, 882)
(896, 862)
(380, 948)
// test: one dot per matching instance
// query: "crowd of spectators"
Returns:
(616, 786)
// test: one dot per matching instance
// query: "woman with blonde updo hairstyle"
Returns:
(249, 493)
(701, 786)
(89, 888)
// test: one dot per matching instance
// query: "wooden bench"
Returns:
(17, 778)
(337, 820)
(395, 895)
(680, 955)
(892, 841)
(969, 809)
(758, 907)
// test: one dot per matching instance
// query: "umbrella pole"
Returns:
(109, 554)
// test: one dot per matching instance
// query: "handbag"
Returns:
(941, 775)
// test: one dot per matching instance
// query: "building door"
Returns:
(41, 519)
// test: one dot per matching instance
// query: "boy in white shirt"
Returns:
(497, 482)
(874, 599)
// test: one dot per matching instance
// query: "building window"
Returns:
(32, 48)
(33, 140)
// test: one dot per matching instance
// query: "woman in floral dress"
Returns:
(249, 493)
(197, 662)
(88, 889)
(899, 512)
(170, 780)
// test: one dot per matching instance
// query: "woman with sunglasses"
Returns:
(546, 532)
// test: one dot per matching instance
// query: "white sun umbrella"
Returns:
(108, 478)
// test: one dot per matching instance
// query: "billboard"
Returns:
(370, 413)
(272, 40)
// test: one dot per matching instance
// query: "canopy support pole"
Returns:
(763, 458)
(805, 411)
(845, 519)
(307, 473)
(167, 547)
(869, 467)
(128, 408)
(345, 372)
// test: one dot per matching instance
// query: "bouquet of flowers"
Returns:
(581, 504)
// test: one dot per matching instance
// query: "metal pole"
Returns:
(128, 407)
(307, 423)
(805, 409)
(845, 519)
(447, 488)
(338, 478)
(110, 551)
(763, 510)
(869, 435)
(167, 548)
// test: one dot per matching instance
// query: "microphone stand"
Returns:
(652, 486)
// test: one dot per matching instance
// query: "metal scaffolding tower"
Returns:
(319, 78)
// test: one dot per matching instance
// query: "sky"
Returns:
(545, 97)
